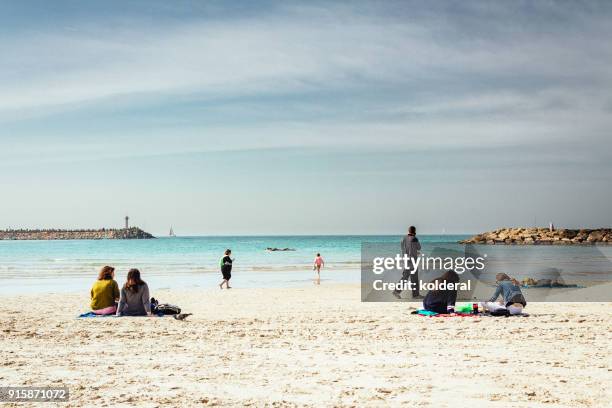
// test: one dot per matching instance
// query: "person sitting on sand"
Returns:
(105, 292)
(512, 297)
(134, 299)
(226, 269)
(318, 264)
(442, 301)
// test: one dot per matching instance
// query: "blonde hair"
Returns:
(503, 277)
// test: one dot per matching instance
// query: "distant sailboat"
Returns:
(172, 234)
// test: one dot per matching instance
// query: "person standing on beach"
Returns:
(318, 264)
(411, 247)
(226, 269)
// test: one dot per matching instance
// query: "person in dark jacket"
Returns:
(442, 301)
(226, 268)
(411, 247)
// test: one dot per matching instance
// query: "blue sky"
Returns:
(305, 117)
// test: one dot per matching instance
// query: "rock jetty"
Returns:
(49, 234)
(542, 236)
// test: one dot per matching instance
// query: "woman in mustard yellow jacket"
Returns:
(105, 292)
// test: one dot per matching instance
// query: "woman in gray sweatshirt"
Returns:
(134, 299)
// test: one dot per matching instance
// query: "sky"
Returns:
(247, 117)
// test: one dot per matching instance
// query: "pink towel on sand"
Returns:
(106, 310)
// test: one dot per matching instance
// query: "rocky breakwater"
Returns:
(542, 236)
(50, 234)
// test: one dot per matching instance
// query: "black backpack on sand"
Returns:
(164, 308)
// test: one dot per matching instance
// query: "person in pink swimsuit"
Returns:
(318, 264)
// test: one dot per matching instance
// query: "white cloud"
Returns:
(286, 52)
(509, 87)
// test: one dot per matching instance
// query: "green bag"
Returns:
(464, 308)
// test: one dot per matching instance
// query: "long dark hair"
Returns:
(448, 276)
(133, 281)
(106, 273)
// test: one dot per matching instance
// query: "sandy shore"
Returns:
(317, 346)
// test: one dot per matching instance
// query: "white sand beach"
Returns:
(313, 346)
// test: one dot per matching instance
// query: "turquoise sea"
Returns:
(169, 262)
(177, 262)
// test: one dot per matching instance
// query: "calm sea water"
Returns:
(68, 266)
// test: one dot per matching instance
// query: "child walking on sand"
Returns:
(318, 264)
(226, 269)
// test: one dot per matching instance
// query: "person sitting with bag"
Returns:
(442, 301)
(513, 302)
(134, 299)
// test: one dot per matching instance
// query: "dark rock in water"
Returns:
(51, 234)
(279, 249)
